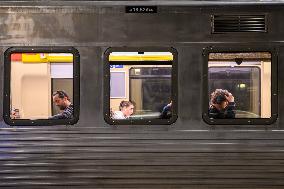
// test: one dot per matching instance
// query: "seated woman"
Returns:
(126, 109)
(222, 105)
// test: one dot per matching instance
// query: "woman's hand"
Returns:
(230, 97)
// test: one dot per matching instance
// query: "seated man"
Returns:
(61, 100)
(126, 109)
(221, 105)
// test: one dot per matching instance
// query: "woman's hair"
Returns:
(218, 96)
(124, 104)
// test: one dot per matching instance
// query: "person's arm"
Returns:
(213, 113)
(66, 114)
(166, 112)
(57, 116)
(230, 113)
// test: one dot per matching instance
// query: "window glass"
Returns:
(150, 87)
(140, 86)
(117, 84)
(41, 86)
(239, 85)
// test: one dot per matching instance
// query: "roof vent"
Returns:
(238, 23)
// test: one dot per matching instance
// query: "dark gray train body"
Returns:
(186, 154)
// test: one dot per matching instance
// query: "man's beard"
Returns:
(62, 107)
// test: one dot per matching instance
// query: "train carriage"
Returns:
(118, 94)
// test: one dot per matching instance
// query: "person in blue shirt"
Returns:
(167, 111)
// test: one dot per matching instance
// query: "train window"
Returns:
(140, 86)
(240, 88)
(41, 86)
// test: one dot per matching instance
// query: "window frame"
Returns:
(7, 86)
(174, 87)
(240, 121)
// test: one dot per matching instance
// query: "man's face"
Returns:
(224, 104)
(128, 111)
(59, 102)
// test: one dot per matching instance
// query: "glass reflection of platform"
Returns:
(146, 115)
(246, 114)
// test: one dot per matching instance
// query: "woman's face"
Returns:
(128, 111)
(224, 104)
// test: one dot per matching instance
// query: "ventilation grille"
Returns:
(238, 23)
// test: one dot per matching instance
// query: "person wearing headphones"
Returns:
(222, 105)
(62, 101)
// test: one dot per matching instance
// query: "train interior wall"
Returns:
(93, 154)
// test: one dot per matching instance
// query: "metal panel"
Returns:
(238, 23)
(93, 154)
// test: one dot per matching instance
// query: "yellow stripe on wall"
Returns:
(141, 58)
(34, 58)
(46, 58)
(66, 59)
